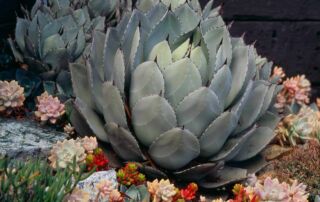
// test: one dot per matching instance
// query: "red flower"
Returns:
(189, 193)
(98, 160)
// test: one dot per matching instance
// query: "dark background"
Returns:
(286, 31)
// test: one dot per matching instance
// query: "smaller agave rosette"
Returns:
(11, 95)
(63, 153)
(49, 108)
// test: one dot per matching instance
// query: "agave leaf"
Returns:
(212, 39)
(146, 5)
(80, 16)
(187, 17)
(198, 172)
(225, 176)
(30, 48)
(252, 107)
(118, 137)
(161, 53)
(268, 99)
(64, 84)
(173, 3)
(146, 80)
(232, 146)
(51, 43)
(181, 51)
(18, 56)
(207, 9)
(118, 75)
(21, 30)
(151, 172)
(112, 45)
(57, 58)
(156, 13)
(34, 34)
(165, 28)
(239, 68)
(215, 136)
(96, 56)
(81, 45)
(221, 84)
(151, 117)
(113, 107)
(174, 148)
(239, 106)
(101, 7)
(211, 23)
(189, 80)
(92, 119)
(131, 40)
(77, 120)
(199, 59)
(80, 83)
(197, 110)
(269, 120)
(255, 143)
(265, 71)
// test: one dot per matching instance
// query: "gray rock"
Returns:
(23, 138)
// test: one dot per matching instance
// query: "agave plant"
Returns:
(169, 85)
(57, 32)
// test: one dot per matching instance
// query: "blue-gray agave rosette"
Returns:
(170, 85)
(57, 32)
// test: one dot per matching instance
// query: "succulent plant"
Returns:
(49, 108)
(57, 32)
(300, 127)
(89, 144)
(105, 187)
(162, 190)
(170, 84)
(296, 90)
(63, 154)
(273, 190)
(11, 95)
(115, 196)
(69, 130)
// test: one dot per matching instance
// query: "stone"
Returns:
(25, 138)
(89, 185)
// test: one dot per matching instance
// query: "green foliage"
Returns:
(35, 181)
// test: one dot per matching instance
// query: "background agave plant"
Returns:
(57, 32)
(171, 86)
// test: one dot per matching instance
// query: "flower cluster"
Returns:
(129, 175)
(49, 108)
(299, 127)
(11, 95)
(98, 160)
(296, 89)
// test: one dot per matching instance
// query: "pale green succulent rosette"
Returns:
(170, 85)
